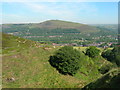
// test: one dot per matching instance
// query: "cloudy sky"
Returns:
(82, 12)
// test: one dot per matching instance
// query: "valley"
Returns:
(27, 48)
(57, 44)
(64, 32)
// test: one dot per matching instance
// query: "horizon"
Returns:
(52, 19)
(79, 12)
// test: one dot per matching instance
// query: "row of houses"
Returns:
(66, 44)
(92, 44)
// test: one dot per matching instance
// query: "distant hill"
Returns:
(61, 32)
(108, 27)
(52, 24)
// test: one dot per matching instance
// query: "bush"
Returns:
(66, 60)
(92, 51)
(113, 55)
(104, 69)
(106, 54)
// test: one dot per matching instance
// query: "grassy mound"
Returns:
(12, 43)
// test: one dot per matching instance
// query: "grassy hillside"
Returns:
(54, 24)
(109, 80)
(15, 44)
(29, 67)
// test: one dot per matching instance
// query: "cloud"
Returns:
(14, 18)
(41, 11)
(77, 12)
(29, 0)
(52, 9)
(59, 1)
(35, 6)
(61, 9)
(11, 18)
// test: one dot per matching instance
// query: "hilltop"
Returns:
(53, 24)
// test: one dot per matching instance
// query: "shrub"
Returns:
(66, 60)
(92, 51)
(113, 55)
(104, 69)
(106, 54)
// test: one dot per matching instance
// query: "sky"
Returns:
(81, 12)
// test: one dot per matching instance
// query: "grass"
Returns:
(84, 49)
(34, 71)
(109, 80)
(30, 67)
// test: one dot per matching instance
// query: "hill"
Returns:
(110, 27)
(12, 43)
(109, 80)
(28, 66)
(54, 24)
(60, 32)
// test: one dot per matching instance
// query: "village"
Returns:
(100, 44)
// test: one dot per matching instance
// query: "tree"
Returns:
(66, 60)
(106, 54)
(104, 44)
(113, 55)
(92, 51)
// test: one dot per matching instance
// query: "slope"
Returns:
(50, 25)
(109, 80)
(12, 43)
(53, 24)
(29, 67)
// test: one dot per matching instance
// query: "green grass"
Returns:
(13, 44)
(30, 67)
(109, 80)
(84, 49)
